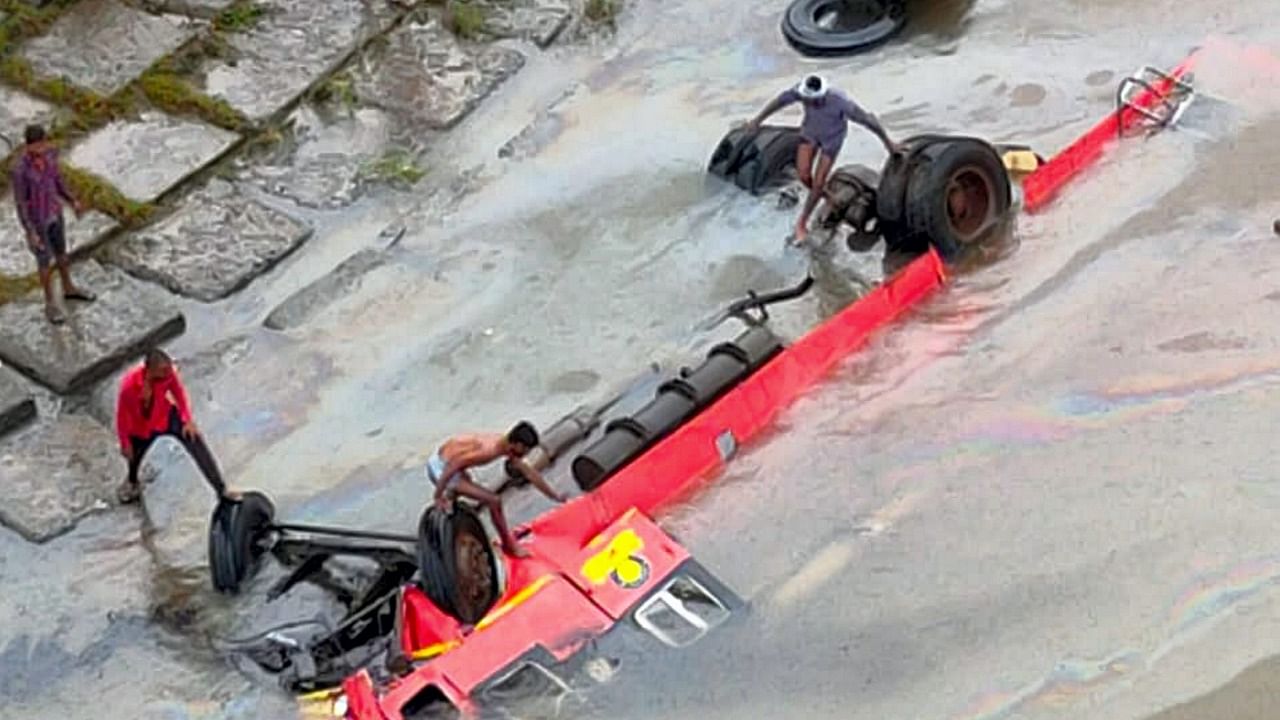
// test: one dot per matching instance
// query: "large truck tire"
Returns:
(236, 530)
(824, 28)
(458, 564)
(957, 195)
(755, 161)
(767, 167)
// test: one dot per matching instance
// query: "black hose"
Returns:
(757, 301)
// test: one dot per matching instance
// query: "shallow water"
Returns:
(1045, 494)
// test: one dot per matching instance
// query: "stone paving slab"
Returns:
(311, 300)
(146, 157)
(296, 44)
(97, 337)
(17, 406)
(204, 9)
(17, 110)
(218, 242)
(103, 45)
(539, 21)
(83, 234)
(55, 474)
(427, 78)
(319, 167)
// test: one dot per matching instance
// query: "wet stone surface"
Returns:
(56, 473)
(217, 243)
(539, 21)
(193, 8)
(17, 407)
(97, 337)
(18, 110)
(311, 300)
(430, 80)
(294, 46)
(102, 45)
(83, 234)
(320, 167)
(147, 157)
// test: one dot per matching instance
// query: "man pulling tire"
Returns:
(827, 114)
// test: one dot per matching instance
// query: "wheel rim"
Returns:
(475, 576)
(969, 201)
(842, 16)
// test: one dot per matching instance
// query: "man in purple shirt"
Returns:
(38, 192)
(827, 114)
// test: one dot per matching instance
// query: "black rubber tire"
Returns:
(891, 192)
(959, 163)
(769, 164)
(726, 158)
(898, 238)
(438, 536)
(801, 28)
(235, 539)
(755, 161)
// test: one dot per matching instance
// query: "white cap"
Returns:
(812, 87)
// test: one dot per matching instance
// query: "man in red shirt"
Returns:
(153, 403)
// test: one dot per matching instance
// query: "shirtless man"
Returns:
(447, 469)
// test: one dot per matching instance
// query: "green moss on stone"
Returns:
(239, 17)
(602, 11)
(465, 19)
(102, 195)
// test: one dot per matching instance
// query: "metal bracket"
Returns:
(1169, 106)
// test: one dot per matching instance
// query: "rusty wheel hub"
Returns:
(475, 575)
(969, 202)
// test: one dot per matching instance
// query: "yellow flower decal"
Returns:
(620, 561)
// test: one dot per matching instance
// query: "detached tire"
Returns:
(755, 161)
(236, 530)
(775, 155)
(824, 28)
(958, 195)
(458, 565)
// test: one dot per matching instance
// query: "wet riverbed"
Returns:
(1046, 494)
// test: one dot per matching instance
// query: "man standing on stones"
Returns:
(153, 403)
(38, 192)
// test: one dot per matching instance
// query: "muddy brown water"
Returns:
(1046, 494)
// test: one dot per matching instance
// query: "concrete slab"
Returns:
(295, 45)
(538, 21)
(17, 406)
(97, 337)
(17, 110)
(83, 234)
(320, 165)
(426, 77)
(103, 45)
(146, 157)
(55, 474)
(218, 242)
